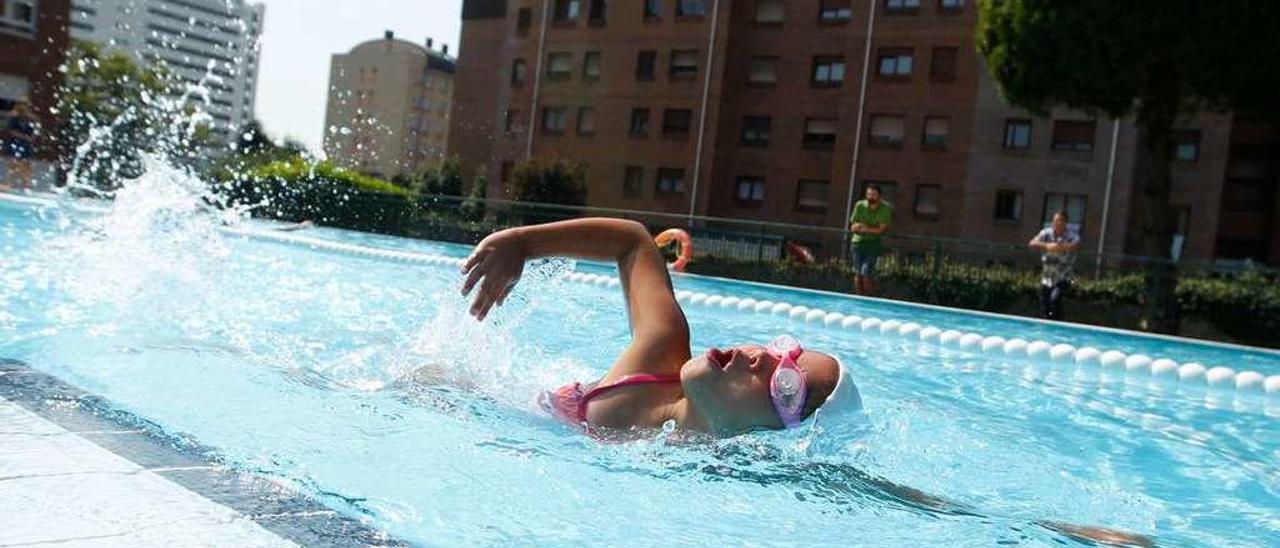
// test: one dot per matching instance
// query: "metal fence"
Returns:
(744, 240)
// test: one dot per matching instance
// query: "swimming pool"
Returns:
(292, 359)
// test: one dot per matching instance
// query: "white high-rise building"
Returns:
(209, 42)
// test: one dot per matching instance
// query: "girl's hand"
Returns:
(499, 261)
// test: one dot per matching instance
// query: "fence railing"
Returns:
(772, 241)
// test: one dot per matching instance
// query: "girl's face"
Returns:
(730, 388)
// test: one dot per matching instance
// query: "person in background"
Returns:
(871, 219)
(1058, 245)
(19, 144)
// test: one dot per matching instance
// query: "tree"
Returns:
(253, 149)
(550, 182)
(441, 178)
(113, 111)
(1157, 60)
(254, 141)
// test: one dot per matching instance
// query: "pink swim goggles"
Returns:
(787, 387)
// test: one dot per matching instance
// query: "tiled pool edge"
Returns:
(277, 508)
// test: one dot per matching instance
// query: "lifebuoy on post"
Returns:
(686, 246)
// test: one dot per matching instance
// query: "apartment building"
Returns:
(33, 39)
(389, 106)
(209, 44)
(784, 110)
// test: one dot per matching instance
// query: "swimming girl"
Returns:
(723, 392)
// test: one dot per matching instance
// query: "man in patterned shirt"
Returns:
(1058, 245)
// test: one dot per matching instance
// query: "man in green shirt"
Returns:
(871, 218)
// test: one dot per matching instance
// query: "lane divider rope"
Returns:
(1138, 369)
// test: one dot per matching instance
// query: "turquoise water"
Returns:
(300, 364)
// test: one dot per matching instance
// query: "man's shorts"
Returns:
(864, 262)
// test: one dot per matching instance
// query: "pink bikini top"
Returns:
(569, 402)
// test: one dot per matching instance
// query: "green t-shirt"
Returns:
(880, 216)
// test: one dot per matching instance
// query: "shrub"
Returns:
(1244, 309)
(550, 182)
(297, 190)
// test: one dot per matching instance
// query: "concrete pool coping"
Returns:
(103, 449)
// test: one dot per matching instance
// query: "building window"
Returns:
(1073, 204)
(1017, 134)
(835, 11)
(749, 191)
(691, 8)
(524, 18)
(518, 72)
(591, 66)
(895, 62)
(504, 173)
(676, 122)
(684, 64)
(586, 121)
(565, 11)
(827, 72)
(951, 5)
(1008, 206)
(670, 181)
(928, 201)
(942, 67)
(646, 65)
(1073, 135)
(18, 14)
(598, 13)
(633, 182)
(770, 12)
(900, 6)
(937, 132)
(1186, 145)
(639, 122)
(811, 196)
(756, 131)
(511, 121)
(888, 130)
(554, 119)
(652, 9)
(763, 71)
(559, 66)
(819, 133)
(1181, 219)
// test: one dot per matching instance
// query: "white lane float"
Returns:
(1223, 381)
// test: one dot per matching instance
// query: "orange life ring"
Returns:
(686, 246)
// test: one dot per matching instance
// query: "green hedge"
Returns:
(298, 190)
(1244, 309)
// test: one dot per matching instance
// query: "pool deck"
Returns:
(74, 472)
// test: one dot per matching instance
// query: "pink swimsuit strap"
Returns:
(569, 402)
(625, 380)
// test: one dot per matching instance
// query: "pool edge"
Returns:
(278, 508)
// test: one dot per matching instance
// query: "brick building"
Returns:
(758, 109)
(33, 42)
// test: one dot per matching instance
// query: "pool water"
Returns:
(299, 364)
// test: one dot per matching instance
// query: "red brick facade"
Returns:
(34, 55)
(781, 85)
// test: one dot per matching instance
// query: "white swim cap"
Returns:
(843, 401)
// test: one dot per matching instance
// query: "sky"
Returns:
(299, 36)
